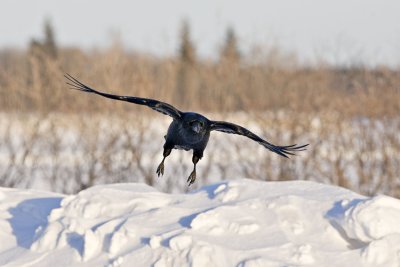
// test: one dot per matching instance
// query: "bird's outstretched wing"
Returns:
(232, 128)
(159, 106)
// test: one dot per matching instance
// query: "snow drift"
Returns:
(236, 223)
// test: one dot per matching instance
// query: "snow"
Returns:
(237, 223)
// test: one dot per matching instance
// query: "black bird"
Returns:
(188, 130)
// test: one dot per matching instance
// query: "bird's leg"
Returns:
(160, 169)
(192, 176)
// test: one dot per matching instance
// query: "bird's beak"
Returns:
(196, 127)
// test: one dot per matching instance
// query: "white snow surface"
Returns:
(237, 223)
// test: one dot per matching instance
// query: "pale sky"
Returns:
(338, 30)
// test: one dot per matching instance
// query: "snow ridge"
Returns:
(235, 223)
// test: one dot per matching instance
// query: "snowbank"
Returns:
(236, 223)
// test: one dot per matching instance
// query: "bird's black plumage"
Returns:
(188, 130)
(159, 106)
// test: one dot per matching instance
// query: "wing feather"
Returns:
(232, 128)
(156, 105)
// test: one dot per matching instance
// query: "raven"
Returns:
(188, 130)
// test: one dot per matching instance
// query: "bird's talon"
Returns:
(192, 178)
(160, 169)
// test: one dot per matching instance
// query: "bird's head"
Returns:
(196, 123)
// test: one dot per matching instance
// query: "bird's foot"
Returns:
(192, 178)
(160, 169)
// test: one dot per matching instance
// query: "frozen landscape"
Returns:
(231, 223)
(78, 182)
(67, 153)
